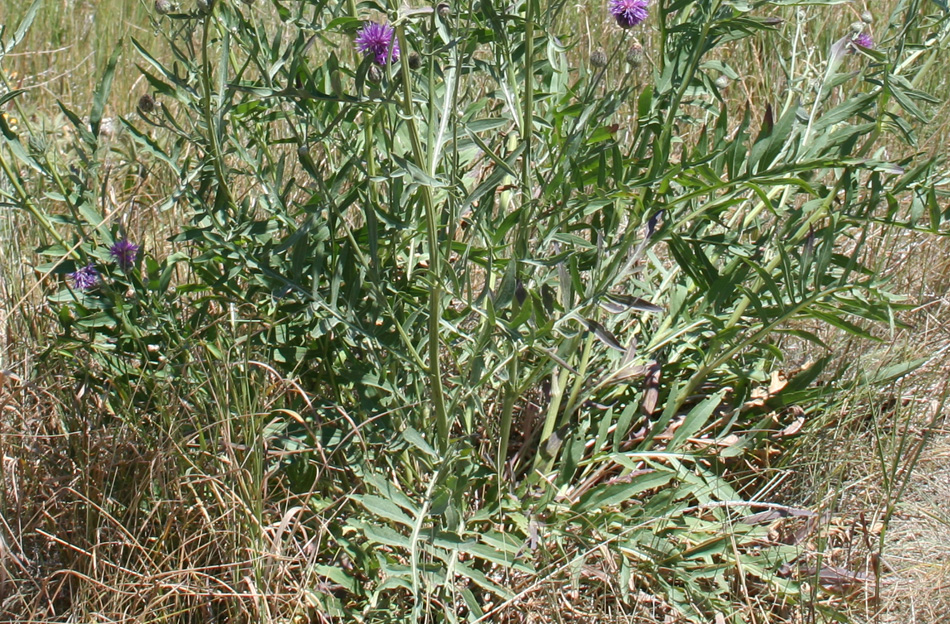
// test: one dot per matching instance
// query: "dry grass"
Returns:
(918, 591)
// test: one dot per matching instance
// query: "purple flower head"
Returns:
(629, 13)
(85, 278)
(864, 40)
(124, 252)
(378, 40)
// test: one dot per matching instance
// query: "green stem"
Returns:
(528, 119)
(206, 105)
(27, 202)
(435, 269)
(511, 394)
(581, 377)
(661, 155)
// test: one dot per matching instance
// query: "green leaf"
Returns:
(612, 495)
(384, 509)
(415, 438)
(102, 93)
(896, 371)
(696, 419)
(23, 26)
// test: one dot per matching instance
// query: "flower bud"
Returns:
(163, 7)
(37, 144)
(857, 27)
(415, 61)
(444, 9)
(723, 81)
(374, 74)
(146, 103)
(635, 54)
(598, 58)
(866, 17)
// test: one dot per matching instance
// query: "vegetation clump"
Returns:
(508, 333)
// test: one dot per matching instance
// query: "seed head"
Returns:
(378, 40)
(629, 13)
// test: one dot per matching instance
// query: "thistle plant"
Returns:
(531, 306)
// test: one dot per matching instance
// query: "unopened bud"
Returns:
(857, 27)
(723, 81)
(415, 61)
(598, 58)
(163, 7)
(375, 74)
(146, 103)
(866, 17)
(443, 9)
(37, 144)
(635, 54)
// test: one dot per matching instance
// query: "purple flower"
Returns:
(124, 252)
(629, 13)
(864, 40)
(378, 40)
(85, 278)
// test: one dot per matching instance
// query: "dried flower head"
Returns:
(163, 7)
(85, 278)
(598, 58)
(629, 13)
(378, 40)
(124, 252)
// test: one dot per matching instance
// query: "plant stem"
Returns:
(206, 106)
(434, 271)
